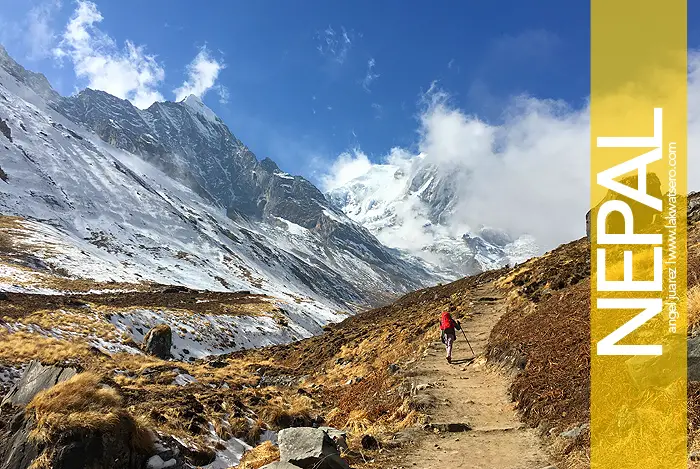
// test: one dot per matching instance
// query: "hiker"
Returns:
(448, 326)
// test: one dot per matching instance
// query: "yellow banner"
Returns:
(638, 234)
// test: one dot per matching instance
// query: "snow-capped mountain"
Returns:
(169, 195)
(411, 203)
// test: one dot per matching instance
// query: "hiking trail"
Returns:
(470, 391)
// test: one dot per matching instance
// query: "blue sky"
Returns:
(304, 81)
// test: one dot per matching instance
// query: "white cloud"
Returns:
(530, 174)
(345, 168)
(370, 76)
(202, 74)
(128, 72)
(223, 93)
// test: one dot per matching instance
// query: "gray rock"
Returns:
(159, 341)
(575, 432)
(90, 449)
(309, 447)
(35, 379)
(694, 455)
(694, 358)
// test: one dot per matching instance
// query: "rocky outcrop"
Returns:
(70, 421)
(5, 130)
(110, 450)
(159, 341)
(35, 379)
(307, 448)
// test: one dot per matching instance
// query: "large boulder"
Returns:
(36, 378)
(308, 448)
(158, 341)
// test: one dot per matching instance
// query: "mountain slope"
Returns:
(191, 144)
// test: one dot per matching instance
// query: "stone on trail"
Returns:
(308, 447)
(447, 427)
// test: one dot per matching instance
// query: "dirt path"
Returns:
(469, 391)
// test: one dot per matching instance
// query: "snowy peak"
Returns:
(195, 103)
(410, 205)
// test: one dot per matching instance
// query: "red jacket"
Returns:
(446, 321)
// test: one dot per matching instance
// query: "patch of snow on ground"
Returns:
(232, 453)
(201, 335)
(184, 379)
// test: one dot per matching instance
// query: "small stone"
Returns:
(156, 462)
(574, 432)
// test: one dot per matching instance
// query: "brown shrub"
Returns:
(363, 403)
(284, 413)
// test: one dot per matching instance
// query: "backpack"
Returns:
(446, 321)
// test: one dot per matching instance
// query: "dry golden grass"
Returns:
(77, 322)
(693, 308)
(259, 456)
(283, 412)
(83, 405)
(22, 347)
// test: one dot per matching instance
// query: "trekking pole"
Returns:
(470, 345)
